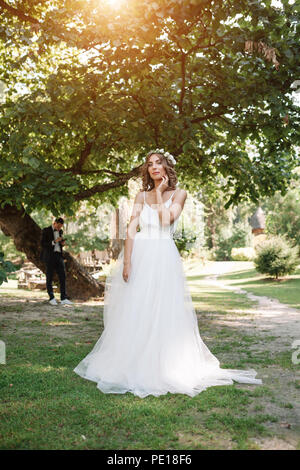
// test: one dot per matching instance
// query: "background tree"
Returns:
(276, 256)
(6, 267)
(283, 213)
(90, 88)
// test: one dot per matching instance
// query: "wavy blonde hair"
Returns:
(147, 181)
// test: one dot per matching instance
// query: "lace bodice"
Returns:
(150, 226)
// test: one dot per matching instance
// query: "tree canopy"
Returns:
(91, 86)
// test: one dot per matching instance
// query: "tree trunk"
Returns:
(211, 224)
(116, 244)
(115, 247)
(26, 234)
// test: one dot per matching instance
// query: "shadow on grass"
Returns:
(50, 407)
(240, 275)
(198, 277)
(45, 405)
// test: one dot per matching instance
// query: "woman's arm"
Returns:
(168, 215)
(132, 227)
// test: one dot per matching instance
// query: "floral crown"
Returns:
(165, 154)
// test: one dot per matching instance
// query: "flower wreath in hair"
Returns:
(165, 154)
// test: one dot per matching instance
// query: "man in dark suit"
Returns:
(52, 255)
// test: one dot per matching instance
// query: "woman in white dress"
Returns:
(151, 343)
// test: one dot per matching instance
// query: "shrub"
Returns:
(5, 268)
(237, 239)
(185, 241)
(201, 252)
(11, 253)
(276, 257)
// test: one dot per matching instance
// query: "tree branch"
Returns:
(19, 13)
(197, 45)
(182, 93)
(208, 116)
(146, 117)
(91, 172)
(83, 156)
(66, 36)
(101, 188)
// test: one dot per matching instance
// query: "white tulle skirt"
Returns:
(151, 343)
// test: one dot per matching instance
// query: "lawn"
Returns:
(286, 289)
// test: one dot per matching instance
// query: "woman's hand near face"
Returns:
(164, 184)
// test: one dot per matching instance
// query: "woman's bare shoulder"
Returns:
(180, 192)
(139, 196)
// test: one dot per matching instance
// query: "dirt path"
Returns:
(268, 317)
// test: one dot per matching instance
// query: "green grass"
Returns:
(286, 290)
(45, 405)
(213, 299)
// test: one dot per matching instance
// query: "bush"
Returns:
(11, 253)
(202, 253)
(5, 268)
(225, 244)
(185, 241)
(276, 257)
(76, 242)
(246, 253)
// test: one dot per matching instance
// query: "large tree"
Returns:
(92, 86)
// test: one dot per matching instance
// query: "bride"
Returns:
(151, 343)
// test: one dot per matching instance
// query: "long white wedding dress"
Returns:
(151, 343)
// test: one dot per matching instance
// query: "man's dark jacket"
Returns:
(46, 243)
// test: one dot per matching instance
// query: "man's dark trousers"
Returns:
(56, 263)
